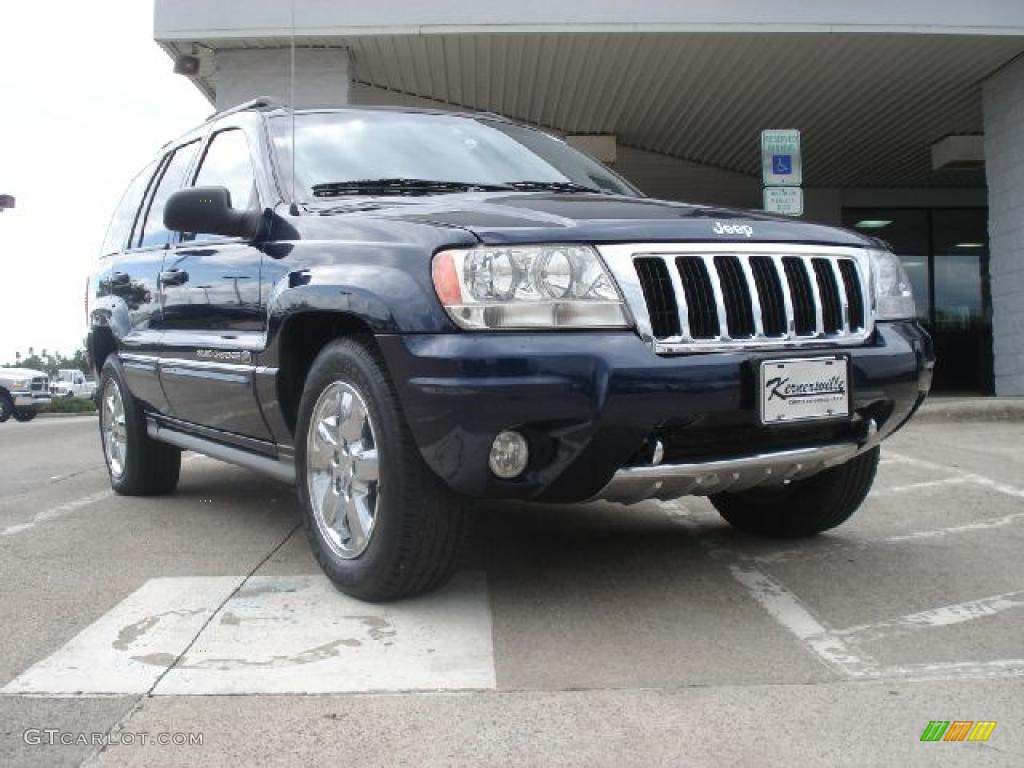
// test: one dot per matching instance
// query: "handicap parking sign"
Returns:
(780, 158)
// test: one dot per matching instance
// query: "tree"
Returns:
(51, 363)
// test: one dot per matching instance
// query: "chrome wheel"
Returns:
(115, 435)
(342, 470)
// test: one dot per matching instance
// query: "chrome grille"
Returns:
(709, 297)
(39, 384)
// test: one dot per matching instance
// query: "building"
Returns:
(911, 112)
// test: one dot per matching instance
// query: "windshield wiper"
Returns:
(400, 186)
(552, 186)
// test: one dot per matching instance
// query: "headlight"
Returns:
(543, 286)
(21, 383)
(894, 299)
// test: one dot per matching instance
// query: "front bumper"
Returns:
(590, 404)
(31, 401)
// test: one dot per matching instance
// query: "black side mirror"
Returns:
(208, 210)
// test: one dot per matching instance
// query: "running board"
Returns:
(280, 469)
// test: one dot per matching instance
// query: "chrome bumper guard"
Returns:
(631, 485)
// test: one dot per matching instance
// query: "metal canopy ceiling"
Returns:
(869, 105)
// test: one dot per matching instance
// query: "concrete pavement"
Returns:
(583, 635)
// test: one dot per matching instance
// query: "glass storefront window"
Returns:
(945, 253)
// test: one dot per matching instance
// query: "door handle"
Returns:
(173, 277)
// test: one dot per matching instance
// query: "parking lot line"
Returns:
(199, 636)
(974, 477)
(977, 525)
(945, 616)
(919, 486)
(126, 650)
(783, 606)
(55, 512)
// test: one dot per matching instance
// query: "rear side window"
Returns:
(124, 215)
(227, 164)
(154, 234)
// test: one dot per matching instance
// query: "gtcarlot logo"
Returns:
(55, 736)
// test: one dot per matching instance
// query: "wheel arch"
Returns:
(301, 337)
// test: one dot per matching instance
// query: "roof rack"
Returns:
(259, 103)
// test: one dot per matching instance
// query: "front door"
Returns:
(212, 317)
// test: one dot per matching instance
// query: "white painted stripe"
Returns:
(956, 670)
(127, 649)
(275, 635)
(945, 616)
(300, 635)
(987, 482)
(979, 525)
(925, 485)
(783, 606)
(55, 512)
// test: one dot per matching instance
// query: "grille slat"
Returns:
(659, 295)
(769, 291)
(702, 310)
(854, 295)
(804, 322)
(720, 300)
(828, 290)
(739, 311)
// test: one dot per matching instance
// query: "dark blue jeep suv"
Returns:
(401, 311)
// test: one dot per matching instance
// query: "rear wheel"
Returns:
(805, 507)
(20, 414)
(137, 464)
(380, 523)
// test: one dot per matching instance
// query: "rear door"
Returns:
(134, 279)
(213, 320)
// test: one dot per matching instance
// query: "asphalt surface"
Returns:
(584, 635)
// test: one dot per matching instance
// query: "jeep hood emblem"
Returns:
(733, 229)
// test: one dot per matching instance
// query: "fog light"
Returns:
(509, 455)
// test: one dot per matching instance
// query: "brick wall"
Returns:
(1004, 165)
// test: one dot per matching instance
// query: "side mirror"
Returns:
(208, 210)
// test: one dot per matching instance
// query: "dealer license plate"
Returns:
(802, 390)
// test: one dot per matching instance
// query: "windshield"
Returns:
(337, 148)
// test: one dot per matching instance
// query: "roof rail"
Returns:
(260, 102)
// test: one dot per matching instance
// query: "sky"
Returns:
(86, 100)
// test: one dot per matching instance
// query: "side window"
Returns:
(124, 215)
(154, 234)
(227, 164)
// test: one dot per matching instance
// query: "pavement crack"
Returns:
(139, 703)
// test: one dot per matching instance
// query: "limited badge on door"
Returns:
(800, 390)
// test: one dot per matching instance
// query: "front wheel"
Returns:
(23, 415)
(137, 464)
(6, 407)
(381, 525)
(804, 507)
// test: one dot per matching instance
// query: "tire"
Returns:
(417, 523)
(805, 507)
(23, 415)
(6, 407)
(144, 467)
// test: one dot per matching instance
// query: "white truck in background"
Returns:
(24, 392)
(71, 382)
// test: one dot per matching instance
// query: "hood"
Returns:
(504, 218)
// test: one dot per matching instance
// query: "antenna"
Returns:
(294, 210)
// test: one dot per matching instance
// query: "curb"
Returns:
(984, 409)
(48, 415)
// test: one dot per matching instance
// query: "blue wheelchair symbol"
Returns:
(782, 165)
